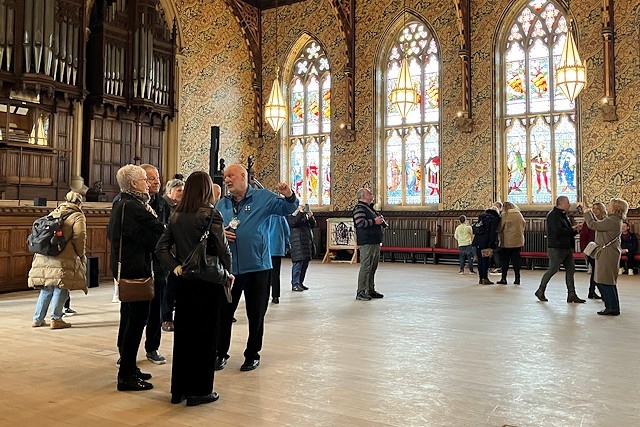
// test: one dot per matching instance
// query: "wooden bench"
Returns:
(409, 242)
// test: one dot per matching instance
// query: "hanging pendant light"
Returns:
(571, 74)
(404, 95)
(275, 111)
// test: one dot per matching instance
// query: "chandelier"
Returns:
(275, 111)
(404, 95)
(571, 74)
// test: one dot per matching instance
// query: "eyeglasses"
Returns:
(141, 179)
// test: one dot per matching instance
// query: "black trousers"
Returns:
(510, 255)
(169, 299)
(195, 336)
(276, 261)
(133, 317)
(592, 282)
(154, 324)
(255, 286)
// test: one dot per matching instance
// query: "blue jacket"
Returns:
(279, 235)
(250, 252)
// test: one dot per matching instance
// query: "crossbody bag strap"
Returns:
(614, 239)
(120, 245)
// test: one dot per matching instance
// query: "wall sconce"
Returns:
(463, 122)
(608, 109)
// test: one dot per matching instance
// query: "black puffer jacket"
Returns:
(489, 239)
(301, 226)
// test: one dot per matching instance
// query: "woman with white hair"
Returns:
(57, 275)
(608, 240)
(134, 226)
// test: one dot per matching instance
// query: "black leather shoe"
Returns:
(540, 295)
(572, 297)
(177, 398)
(234, 320)
(142, 375)
(221, 362)
(304, 287)
(275, 300)
(607, 312)
(594, 296)
(375, 294)
(207, 398)
(250, 365)
(133, 383)
(501, 282)
(516, 282)
(297, 288)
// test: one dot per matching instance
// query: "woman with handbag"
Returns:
(134, 230)
(588, 235)
(608, 253)
(197, 300)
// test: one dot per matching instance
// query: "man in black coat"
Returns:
(301, 222)
(560, 244)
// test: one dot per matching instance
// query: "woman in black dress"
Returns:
(197, 302)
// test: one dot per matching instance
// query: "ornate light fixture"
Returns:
(275, 110)
(571, 74)
(404, 95)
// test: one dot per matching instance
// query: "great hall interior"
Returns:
(87, 86)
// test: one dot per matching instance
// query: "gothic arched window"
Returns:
(411, 149)
(310, 126)
(538, 122)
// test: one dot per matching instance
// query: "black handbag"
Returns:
(199, 265)
(132, 290)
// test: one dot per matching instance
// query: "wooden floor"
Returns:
(438, 350)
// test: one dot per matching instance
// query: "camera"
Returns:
(384, 223)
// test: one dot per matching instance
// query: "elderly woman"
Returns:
(589, 235)
(134, 227)
(608, 240)
(511, 234)
(57, 275)
(173, 192)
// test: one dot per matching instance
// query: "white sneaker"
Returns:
(621, 270)
(115, 299)
(461, 272)
(630, 272)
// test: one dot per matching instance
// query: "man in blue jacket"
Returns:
(246, 212)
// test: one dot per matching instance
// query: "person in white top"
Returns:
(464, 236)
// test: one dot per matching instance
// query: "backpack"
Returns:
(46, 236)
(478, 227)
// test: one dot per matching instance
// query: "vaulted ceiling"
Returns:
(270, 4)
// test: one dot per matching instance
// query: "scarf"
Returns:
(142, 198)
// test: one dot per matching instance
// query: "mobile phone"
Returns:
(306, 207)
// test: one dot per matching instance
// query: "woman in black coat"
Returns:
(301, 222)
(486, 242)
(197, 302)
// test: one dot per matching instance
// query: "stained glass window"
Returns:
(538, 121)
(310, 126)
(412, 146)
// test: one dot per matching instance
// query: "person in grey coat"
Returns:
(608, 238)
(301, 222)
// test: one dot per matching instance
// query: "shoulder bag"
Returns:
(199, 265)
(594, 251)
(132, 290)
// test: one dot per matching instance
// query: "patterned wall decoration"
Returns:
(216, 88)
(216, 85)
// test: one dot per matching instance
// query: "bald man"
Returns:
(369, 224)
(245, 211)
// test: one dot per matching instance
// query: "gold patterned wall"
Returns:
(469, 167)
(216, 78)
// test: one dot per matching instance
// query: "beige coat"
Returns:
(511, 229)
(68, 269)
(607, 229)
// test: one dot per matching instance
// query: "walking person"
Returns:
(197, 302)
(245, 211)
(279, 245)
(607, 259)
(302, 223)
(599, 210)
(56, 275)
(369, 224)
(133, 231)
(511, 237)
(464, 236)
(560, 243)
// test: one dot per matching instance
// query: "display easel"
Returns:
(341, 234)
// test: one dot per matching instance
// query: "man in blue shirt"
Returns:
(246, 212)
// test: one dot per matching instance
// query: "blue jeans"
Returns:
(609, 296)
(466, 253)
(298, 272)
(50, 294)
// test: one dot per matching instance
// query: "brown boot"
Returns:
(59, 324)
(487, 282)
(572, 297)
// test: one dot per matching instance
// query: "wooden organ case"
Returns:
(41, 75)
(131, 61)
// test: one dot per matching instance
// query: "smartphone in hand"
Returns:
(306, 207)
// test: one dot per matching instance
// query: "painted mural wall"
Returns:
(216, 88)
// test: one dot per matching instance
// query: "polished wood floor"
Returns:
(438, 350)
